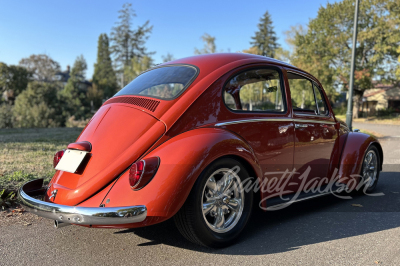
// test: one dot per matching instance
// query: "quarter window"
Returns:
(255, 90)
(322, 108)
(306, 97)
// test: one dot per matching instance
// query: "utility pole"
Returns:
(349, 114)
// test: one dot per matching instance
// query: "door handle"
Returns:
(300, 125)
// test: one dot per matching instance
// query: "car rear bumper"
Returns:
(74, 214)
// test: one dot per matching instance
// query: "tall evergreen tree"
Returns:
(76, 103)
(137, 66)
(127, 42)
(265, 39)
(104, 78)
(209, 45)
(167, 58)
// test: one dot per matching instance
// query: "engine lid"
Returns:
(119, 135)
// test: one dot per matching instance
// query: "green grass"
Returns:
(27, 154)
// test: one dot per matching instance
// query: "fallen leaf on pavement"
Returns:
(357, 205)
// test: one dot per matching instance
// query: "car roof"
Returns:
(217, 60)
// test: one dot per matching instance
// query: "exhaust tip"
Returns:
(58, 224)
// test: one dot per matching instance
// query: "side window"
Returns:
(302, 93)
(255, 90)
(322, 107)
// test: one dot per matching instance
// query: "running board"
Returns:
(278, 201)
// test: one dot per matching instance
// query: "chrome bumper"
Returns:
(77, 215)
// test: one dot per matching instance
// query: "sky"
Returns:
(66, 29)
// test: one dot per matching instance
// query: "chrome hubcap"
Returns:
(370, 169)
(222, 200)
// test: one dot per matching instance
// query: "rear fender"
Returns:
(182, 159)
(353, 154)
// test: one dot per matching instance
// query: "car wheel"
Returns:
(370, 170)
(217, 208)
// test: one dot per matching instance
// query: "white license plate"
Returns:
(71, 160)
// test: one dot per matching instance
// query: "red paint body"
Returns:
(183, 133)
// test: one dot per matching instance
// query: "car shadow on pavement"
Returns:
(304, 223)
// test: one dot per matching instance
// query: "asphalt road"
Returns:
(328, 230)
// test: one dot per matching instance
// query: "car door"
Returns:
(315, 131)
(257, 111)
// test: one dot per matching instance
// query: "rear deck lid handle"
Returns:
(81, 145)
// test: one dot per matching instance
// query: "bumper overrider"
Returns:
(32, 190)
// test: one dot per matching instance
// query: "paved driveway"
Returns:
(324, 231)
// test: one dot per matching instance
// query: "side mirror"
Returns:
(272, 89)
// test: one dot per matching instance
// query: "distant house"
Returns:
(63, 77)
(382, 97)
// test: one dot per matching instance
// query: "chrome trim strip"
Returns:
(314, 121)
(273, 120)
(253, 120)
(78, 215)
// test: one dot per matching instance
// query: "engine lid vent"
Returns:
(148, 104)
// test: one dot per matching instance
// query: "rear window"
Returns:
(163, 82)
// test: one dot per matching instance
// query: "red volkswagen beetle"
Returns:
(202, 139)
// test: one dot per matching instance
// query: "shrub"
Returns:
(38, 106)
(6, 116)
(71, 122)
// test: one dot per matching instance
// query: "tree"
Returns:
(6, 116)
(167, 58)
(73, 98)
(209, 45)
(128, 43)
(104, 78)
(325, 48)
(137, 66)
(38, 106)
(13, 80)
(42, 67)
(265, 39)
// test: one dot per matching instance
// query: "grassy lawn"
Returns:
(27, 154)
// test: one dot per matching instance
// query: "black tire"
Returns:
(190, 220)
(369, 189)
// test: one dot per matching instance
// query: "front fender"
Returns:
(182, 159)
(354, 151)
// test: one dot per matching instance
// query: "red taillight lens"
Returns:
(135, 173)
(57, 157)
(141, 173)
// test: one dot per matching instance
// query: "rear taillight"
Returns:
(57, 157)
(135, 173)
(142, 172)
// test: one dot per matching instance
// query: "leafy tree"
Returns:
(137, 66)
(325, 48)
(265, 39)
(128, 43)
(42, 67)
(209, 45)
(38, 106)
(74, 99)
(167, 58)
(13, 80)
(104, 78)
